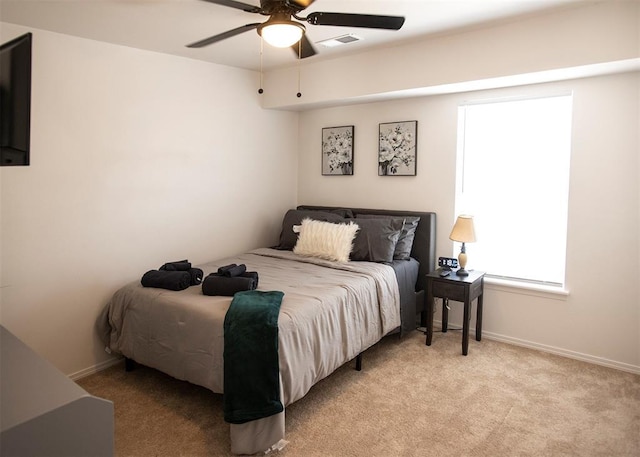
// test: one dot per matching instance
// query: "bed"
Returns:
(331, 312)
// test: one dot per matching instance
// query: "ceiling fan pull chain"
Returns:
(299, 94)
(260, 90)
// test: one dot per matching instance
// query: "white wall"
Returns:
(600, 319)
(137, 158)
(584, 35)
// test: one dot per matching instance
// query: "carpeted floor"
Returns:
(409, 400)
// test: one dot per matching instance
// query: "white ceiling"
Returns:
(166, 26)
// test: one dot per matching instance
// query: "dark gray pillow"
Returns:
(408, 233)
(288, 238)
(344, 212)
(376, 239)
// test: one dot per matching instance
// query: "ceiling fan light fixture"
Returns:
(281, 33)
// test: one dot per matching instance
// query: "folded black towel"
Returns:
(171, 280)
(232, 270)
(196, 276)
(222, 270)
(251, 274)
(215, 284)
(178, 265)
(247, 274)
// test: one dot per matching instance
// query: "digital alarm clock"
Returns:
(447, 263)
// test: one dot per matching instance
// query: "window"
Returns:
(513, 177)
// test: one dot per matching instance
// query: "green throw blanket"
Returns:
(251, 371)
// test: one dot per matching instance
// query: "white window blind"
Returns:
(513, 177)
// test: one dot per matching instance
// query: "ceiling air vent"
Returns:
(339, 41)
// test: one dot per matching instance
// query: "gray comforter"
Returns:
(330, 313)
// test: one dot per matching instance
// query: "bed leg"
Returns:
(359, 362)
(129, 364)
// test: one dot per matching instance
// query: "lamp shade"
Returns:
(281, 32)
(463, 230)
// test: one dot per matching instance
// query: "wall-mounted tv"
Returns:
(15, 101)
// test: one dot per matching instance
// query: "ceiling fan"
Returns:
(281, 31)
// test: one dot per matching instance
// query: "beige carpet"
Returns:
(409, 400)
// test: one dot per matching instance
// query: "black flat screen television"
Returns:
(15, 101)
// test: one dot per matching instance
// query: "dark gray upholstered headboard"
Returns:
(424, 243)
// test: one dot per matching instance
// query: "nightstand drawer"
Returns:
(447, 289)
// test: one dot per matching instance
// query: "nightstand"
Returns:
(463, 289)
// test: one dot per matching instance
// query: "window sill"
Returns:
(525, 288)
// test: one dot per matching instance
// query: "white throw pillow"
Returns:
(326, 240)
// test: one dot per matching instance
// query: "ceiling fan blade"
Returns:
(223, 36)
(369, 21)
(299, 4)
(304, 48)
(236, 5)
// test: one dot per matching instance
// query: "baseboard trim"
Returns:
(438, 324)
(95, 369)
(551, 350)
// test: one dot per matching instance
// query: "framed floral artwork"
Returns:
(397, 148)
(337, 150)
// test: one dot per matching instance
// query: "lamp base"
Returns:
(462, 261)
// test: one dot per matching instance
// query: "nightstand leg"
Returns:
(429, 312)
(445, 314)
(465, 327)
(479, 319)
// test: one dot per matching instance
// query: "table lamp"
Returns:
(463, 232)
